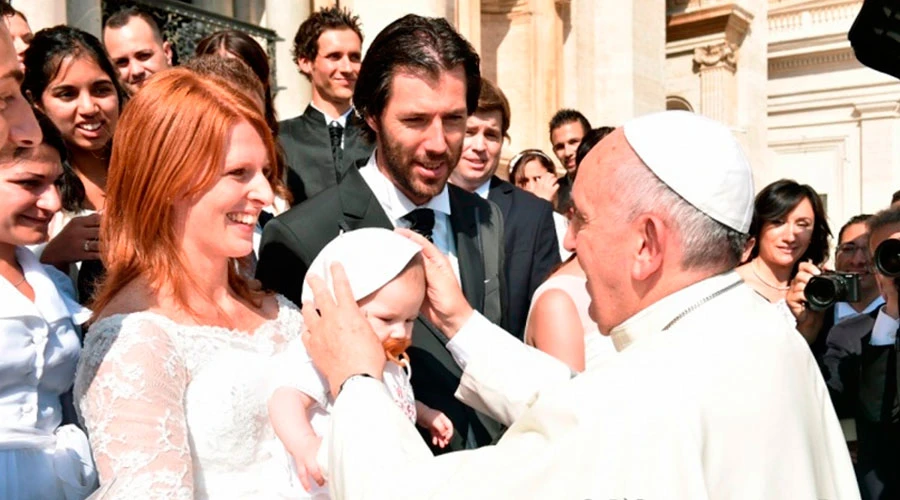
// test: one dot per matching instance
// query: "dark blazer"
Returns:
(862, 381)
(531, 248)
(292, 240)
(307, 152)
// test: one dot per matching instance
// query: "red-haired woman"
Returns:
(172, 381)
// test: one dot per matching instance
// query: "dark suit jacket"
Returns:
(307, 152)
(292, 240)
(531, 248)
(862, 381)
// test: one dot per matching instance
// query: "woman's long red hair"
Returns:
(170, 143)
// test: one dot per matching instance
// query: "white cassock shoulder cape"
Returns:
(727, 403)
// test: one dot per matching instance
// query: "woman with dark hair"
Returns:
(789, 227)
(69, 79)
(39, 345)
(532, 170)
(237, 44)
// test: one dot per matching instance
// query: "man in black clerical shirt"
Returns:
(326, 140)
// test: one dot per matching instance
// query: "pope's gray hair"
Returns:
(706, 243)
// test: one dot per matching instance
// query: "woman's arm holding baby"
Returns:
(288, 412)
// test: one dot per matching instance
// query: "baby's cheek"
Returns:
(378, 326)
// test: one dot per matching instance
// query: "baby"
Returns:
(387, 276)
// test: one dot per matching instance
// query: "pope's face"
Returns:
(598, 233)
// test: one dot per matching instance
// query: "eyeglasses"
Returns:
(850, 249)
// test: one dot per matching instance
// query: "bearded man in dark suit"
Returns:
(417, 85)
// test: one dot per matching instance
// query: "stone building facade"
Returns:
(780, 73)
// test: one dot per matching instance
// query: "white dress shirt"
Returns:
(843, 310)
(885, 330)
(396, 205)
(484, 190)
(39, 350)
(340, 120)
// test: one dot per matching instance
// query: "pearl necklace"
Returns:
(764, 282)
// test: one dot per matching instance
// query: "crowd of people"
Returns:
(202, 301)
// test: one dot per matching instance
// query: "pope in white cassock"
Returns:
(711, 395)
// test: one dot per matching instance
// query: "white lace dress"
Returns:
(176, 411)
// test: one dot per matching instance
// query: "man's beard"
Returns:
(400, 167)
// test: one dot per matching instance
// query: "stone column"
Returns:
(879, 130)
(615, 59)
(468, 21)
(716, 65)
(249, 11)
(376, 15)
(294, 89)
(224, 7)
(86, 15)
(43, 14)
(521, 51)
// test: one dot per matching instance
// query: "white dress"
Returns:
(180, 412)
(39, 349)
(597, 347)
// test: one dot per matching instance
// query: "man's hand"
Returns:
(340, 341)
(809, 322)
(445, 305)
(78, 241)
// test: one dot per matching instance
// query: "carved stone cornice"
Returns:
(876, 110)
(508, 7)
(727, 18)
(807, 15)
(812, 61)
(723, 55)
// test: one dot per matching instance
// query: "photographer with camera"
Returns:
(872, 376)
(836, 296)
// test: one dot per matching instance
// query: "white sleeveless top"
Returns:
(597, 347)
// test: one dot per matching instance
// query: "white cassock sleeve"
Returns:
(381, 455)
(501, 375)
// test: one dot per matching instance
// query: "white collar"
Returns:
(843, 310)
(656, 317)
(484, 189)
(49, 301)
(394, 202)
(342, 120)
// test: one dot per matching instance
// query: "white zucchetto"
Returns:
(699, 159)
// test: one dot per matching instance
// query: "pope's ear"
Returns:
(652, 235)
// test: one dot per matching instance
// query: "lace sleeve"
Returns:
(130, 389)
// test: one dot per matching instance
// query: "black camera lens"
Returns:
(887, 258)
(821, 292)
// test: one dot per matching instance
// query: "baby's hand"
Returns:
(440, 426)
(304, 454)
